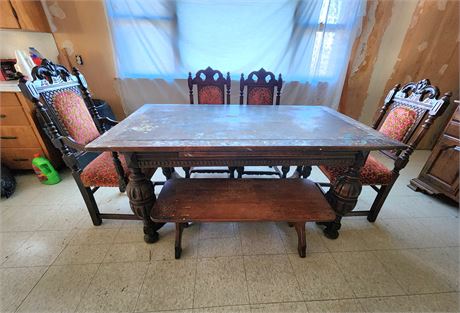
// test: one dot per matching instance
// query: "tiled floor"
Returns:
(54, 260)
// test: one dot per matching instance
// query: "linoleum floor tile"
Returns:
(114, 288)
(366, 275)
(319, 277)
(60, 289)
(220, 281)
(168, 285)
(271, 279)
(15, 285)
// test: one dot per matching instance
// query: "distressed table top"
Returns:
(179, 127)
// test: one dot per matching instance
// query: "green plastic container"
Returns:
(45, 171)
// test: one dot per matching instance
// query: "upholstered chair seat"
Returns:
(396, 126)
(101, 171)
(372, 173)
(406, 115)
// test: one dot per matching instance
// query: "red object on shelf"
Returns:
(7, 72)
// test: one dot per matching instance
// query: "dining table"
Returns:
(181, 135)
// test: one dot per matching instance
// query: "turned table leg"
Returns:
(343, 195)
(141, 196)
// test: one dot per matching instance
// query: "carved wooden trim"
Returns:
(148, 163)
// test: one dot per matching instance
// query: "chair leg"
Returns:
(178, 243)
(187, 172)
(240, 171)
(168, 172)
(306, 171)
(301, 172)
(301, 239)
(378, 202)
(285, 170)
(120, 172)
(232, 170)
(90, 202)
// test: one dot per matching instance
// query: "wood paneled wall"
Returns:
(82, 28)
(429, 50)
(364, 56)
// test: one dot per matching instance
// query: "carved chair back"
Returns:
(261, 88)
(212, 87)
(64, 105)
(407, 114)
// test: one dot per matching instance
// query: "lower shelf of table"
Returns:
(244, 200)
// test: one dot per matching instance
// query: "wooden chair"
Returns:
(260, 86)
(212, 88)
(404, 110)
(66, 110)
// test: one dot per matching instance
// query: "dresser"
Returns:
(20, 135)
(441, 171)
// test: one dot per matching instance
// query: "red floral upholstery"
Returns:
(260, 95)
(101, 171)
(210, 95)
(75, 116)
(398, 122)
(372, 173)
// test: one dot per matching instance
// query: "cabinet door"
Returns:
(7, 17)
(31, 15)
(441, 169)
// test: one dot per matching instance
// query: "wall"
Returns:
(12, 40)
(430, 50)
(81, 27)
(402, 41)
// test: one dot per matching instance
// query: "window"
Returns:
(304, 40)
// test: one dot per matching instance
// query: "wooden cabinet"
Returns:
(441, 171)
(20, 138)
(21, 14)
(7, 17)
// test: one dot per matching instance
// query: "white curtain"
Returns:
(158, 42)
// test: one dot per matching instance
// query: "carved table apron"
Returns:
(175, 135)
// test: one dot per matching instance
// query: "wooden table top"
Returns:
(183, 127)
